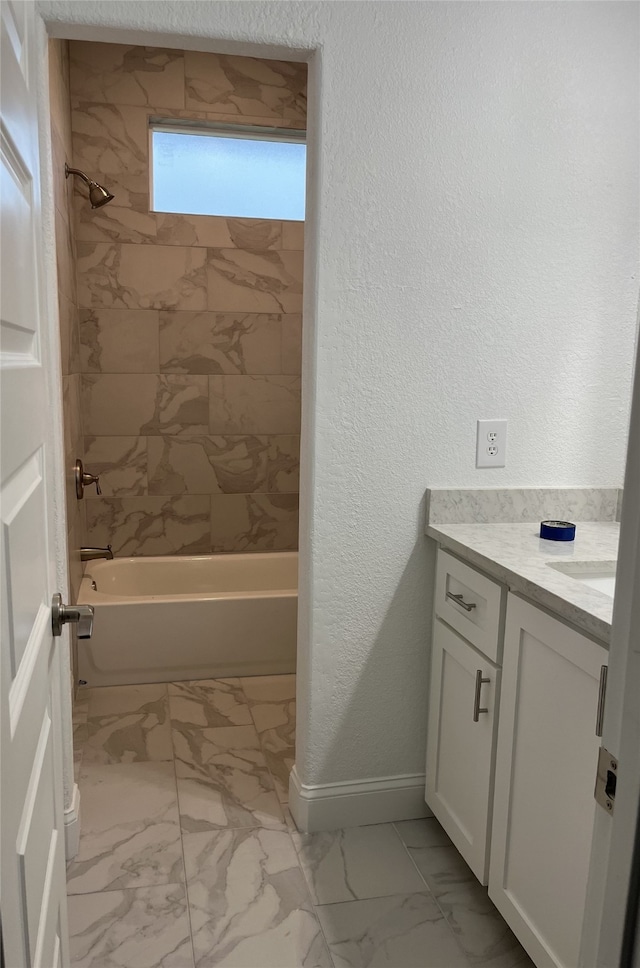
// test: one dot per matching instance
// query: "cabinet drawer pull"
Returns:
(602, 692)
(458, 599)
(480, 680)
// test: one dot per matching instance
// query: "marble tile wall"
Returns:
(67, 306)
(189, 325)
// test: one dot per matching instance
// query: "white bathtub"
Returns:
(192, 617)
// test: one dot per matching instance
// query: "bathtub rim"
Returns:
(91, 596)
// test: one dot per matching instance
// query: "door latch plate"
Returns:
(606, 780)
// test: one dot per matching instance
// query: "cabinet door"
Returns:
(460, 748)
(545, 773)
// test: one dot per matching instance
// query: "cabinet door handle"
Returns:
(458, 599)
(480, 680)
(602, 692)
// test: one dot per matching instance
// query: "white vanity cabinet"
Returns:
(465, 687)
(546, 762)
(512, 752)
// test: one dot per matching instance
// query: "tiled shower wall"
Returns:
(190, 326)
(67, 301)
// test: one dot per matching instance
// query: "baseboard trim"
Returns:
(382, 799)
(72, 825)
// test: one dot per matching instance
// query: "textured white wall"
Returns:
(472, 252)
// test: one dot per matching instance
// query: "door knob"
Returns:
(83, 480)
(81, 615)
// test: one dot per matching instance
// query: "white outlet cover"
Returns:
(491, 443)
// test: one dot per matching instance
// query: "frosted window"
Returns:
(209, 174)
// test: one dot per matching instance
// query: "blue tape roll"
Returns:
(557, 530)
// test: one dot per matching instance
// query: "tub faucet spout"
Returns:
(89, 554)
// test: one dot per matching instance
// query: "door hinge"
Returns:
(606, 780)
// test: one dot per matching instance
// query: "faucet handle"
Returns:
(83, 479)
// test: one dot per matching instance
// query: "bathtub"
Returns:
(192, 617)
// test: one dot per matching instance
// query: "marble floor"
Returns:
(189, 857)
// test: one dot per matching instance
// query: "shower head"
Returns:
(98, 194)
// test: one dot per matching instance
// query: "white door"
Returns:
(32, 880)
(463, 701)
(547, 755)
(611, 918)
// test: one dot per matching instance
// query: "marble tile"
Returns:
(293, 235)
(283, 466)
(254, 522)
(520, 505)
(223, 780)
(210, 465)
(150, 525)
(120, 462)
(244, 85)
(141, 928)
(128, 724)
(479, 929)
(211, 115)
(262, 282)
(109, 139)
(356, 863)
(405, 931)
(273, 707)
(208, 702)
(126, 276)
(130, 832)
(442, 868)
(68, 319)
(264, 691)
(116, 404)
(121, 700)
(248, 901)
(121, 74)
(125, 219)
(218, 232)
(80, 706)
(65, 255)
(254, 404)
(72, 409)
(292, 344)
(232, 343)
(422, 833)
(181, 406)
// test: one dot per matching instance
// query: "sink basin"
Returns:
(600, 575)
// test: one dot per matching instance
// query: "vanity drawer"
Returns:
(469, 602)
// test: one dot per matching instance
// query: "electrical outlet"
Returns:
(491, 443)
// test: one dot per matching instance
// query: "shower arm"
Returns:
(76, 171)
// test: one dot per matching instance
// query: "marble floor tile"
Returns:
(208, 702)
(480, 930)
(249, 903)
(128, 724)
(272, 702)
(403, 931)
(356, 863)
(223, 779)
(130, 832)
(142, 928)
(442, 868)
(81, 706)
(262, 689)
(422, 833)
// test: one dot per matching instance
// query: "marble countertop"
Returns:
(516, 555)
